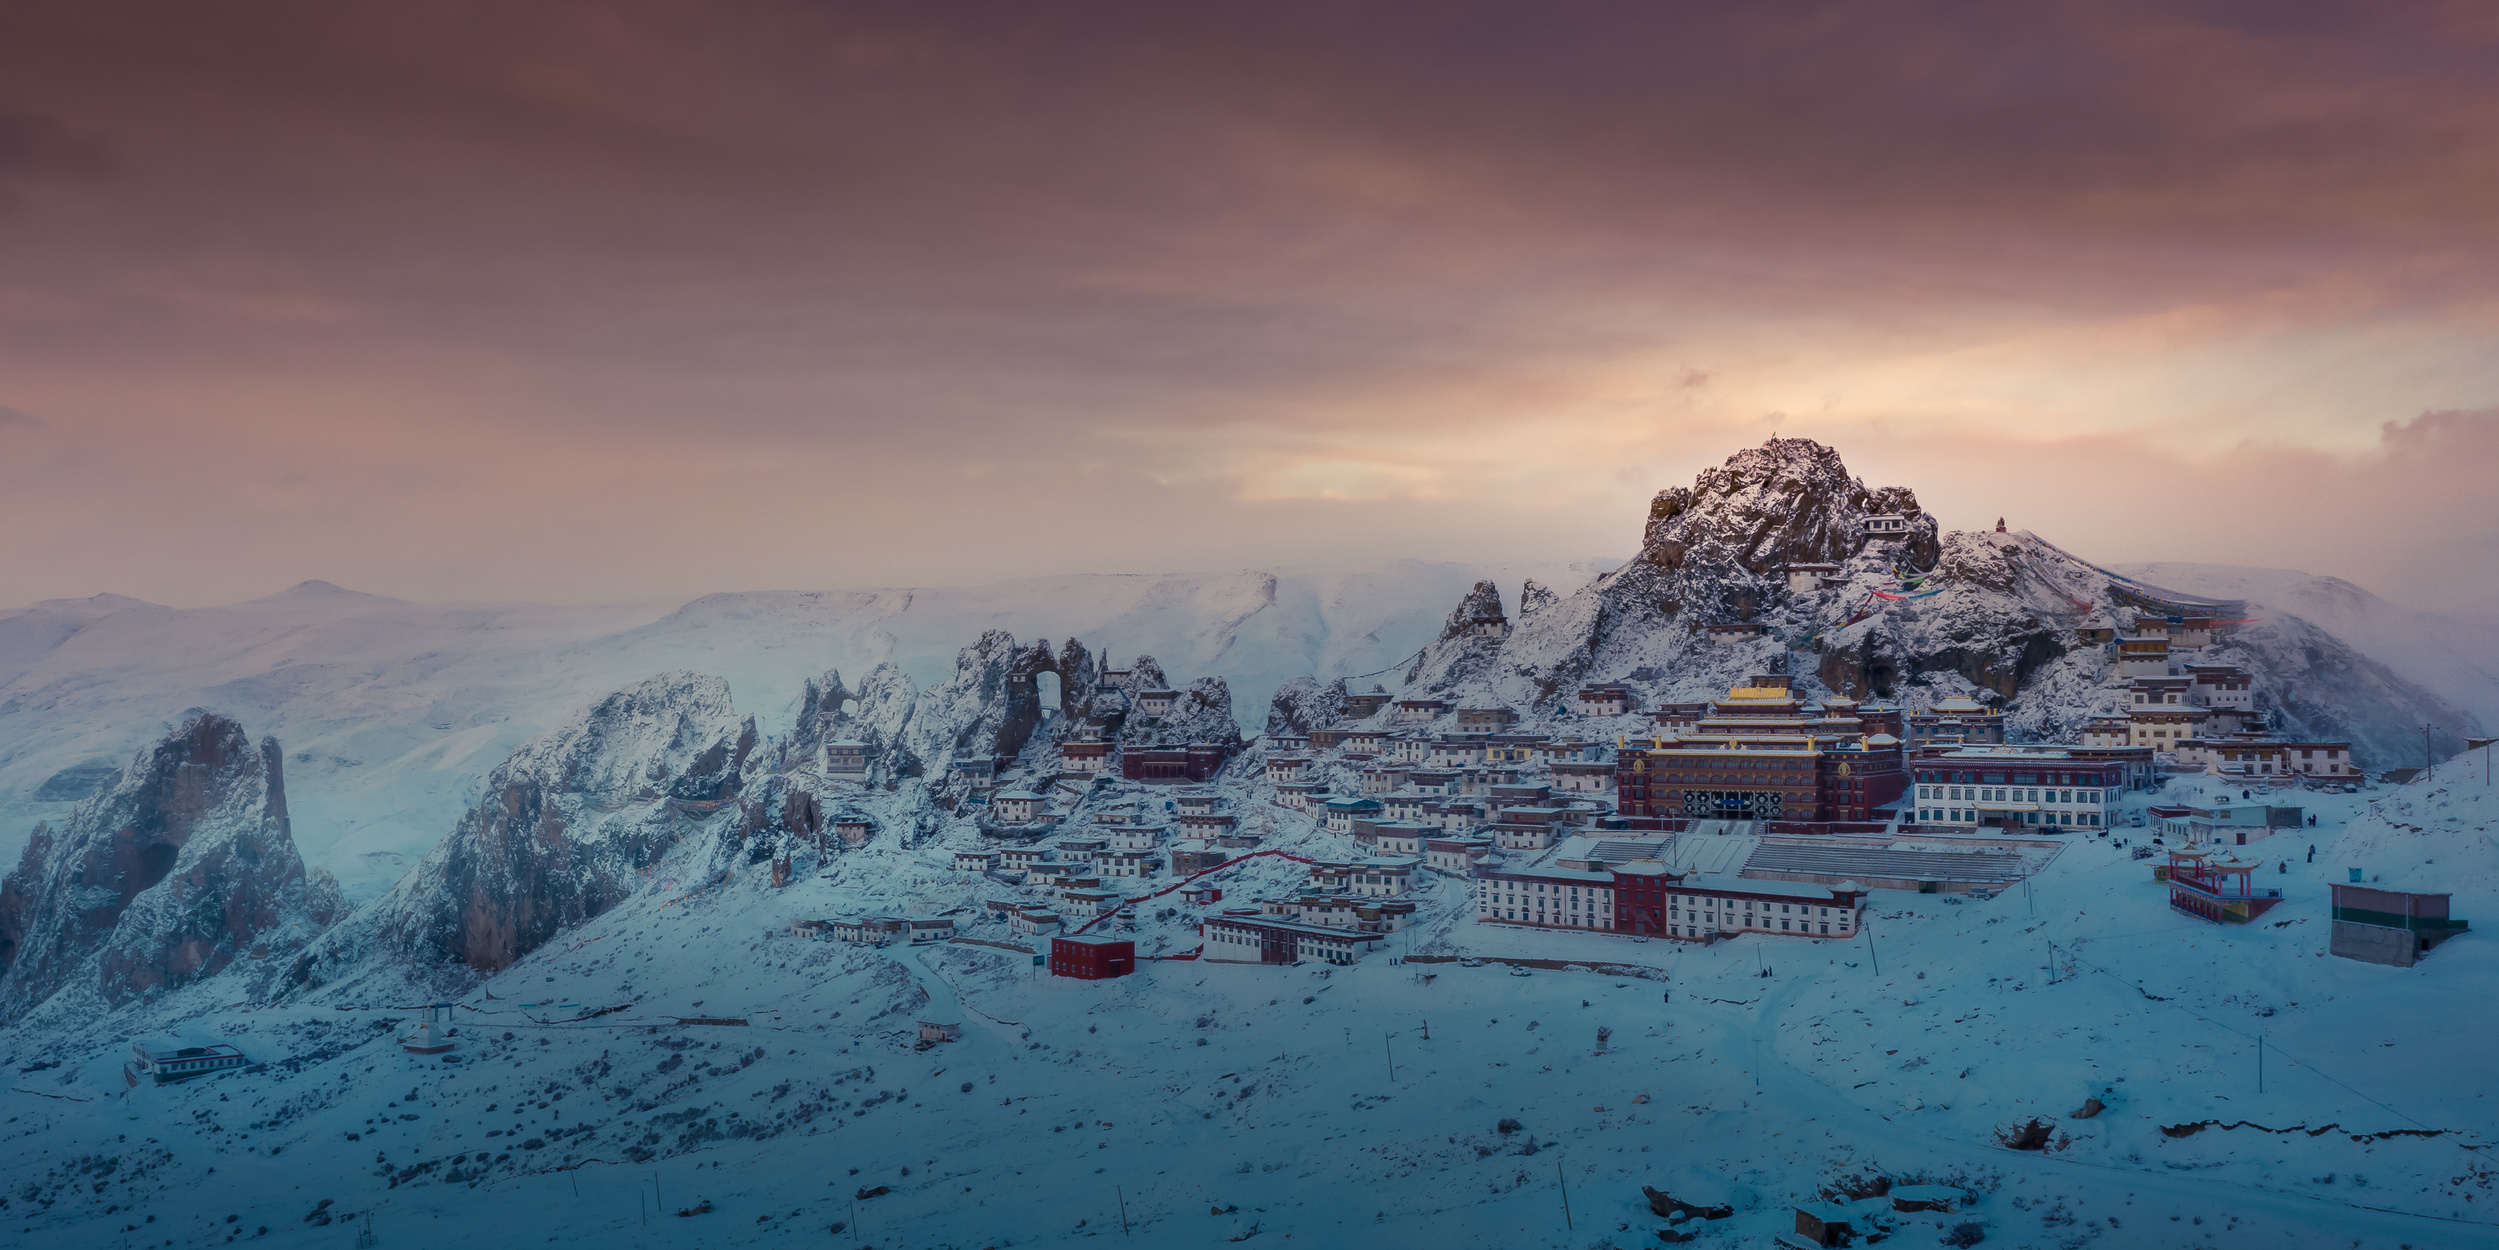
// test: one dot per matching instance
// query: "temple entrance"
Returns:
(1733, 804)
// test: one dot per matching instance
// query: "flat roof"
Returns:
(1583, 876)
(1294, 926)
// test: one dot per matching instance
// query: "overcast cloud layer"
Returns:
(622, 301)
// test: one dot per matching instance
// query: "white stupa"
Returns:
(430, 1037)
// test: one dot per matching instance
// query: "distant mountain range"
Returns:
(392, 714)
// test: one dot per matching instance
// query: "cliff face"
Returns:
(184, 865)
(991, 705)
(565, 829)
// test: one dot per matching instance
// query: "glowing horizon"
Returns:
(583, 304)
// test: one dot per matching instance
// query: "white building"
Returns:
(1457, 856)
(1370, 878)
(1133, 838)
(1128, 864)
(1300, 796)
(2016, 787)
(1250, 939)
(1343, 812)
(1553, 898)
(1648, 899)
(1018, 807)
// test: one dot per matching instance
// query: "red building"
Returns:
(1089, 958)
(2223, 891)
(1198, 761)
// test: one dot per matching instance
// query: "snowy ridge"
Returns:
(393, 712)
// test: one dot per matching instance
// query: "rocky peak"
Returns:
(991, 706)
(1479, 614)
(820, 703)
(1203, 713)
(1305, 703)
(1147, 674)
(186, 863)
(1788, 501)
(1533, 597)
(1469, 641)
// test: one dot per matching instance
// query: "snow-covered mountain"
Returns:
(1779, 561)
(2454, 654)
(608, 899)
(394, 712)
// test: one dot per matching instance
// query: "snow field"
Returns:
(1088, 1096)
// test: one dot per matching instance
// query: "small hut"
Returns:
(431, 1037)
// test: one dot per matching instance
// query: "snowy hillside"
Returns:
(1779, 561)
(2074, 1064)
(2440, 833)
(392, 713)
(2450, 653)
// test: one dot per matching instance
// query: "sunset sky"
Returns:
(622, 301)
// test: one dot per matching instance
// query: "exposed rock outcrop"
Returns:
(183, 866)
(991, 705)
(566, 826)
(1469, 643)
(1202, 714)
(1304, 704)
(1534, 596)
